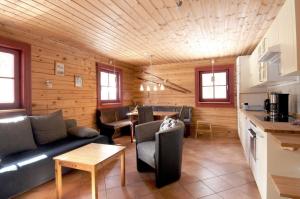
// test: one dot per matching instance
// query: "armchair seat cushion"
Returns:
(120, 123)
(146, 151)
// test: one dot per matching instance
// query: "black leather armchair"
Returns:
(160, 150)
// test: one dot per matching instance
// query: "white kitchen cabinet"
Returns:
(289, 37)
(243, 134)
(261, 162)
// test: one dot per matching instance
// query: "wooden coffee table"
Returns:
(89, 158)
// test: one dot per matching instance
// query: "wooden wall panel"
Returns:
(78, 103)
(183, 74)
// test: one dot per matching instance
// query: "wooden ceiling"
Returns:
(131, 30)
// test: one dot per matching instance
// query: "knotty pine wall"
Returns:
(78, 103)
(183, 74)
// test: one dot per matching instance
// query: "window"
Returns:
(214, 88)
(9, 78)
(109, 85)
(15, 77)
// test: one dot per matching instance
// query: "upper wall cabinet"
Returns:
(277, 58)
(289, 37)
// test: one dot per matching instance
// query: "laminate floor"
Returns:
(211, 169)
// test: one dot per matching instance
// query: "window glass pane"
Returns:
(112, 80)
(6, 64)
(7, 91)
(112, 93)
(220, 92)
(207, 92)
(104, 79)
(206, 79)
(104, 93)
(220, 78)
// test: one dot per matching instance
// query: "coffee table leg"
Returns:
(58, 180)
(123, 168)
(94, 183)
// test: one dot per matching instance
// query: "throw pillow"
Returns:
(83, 132)
(168, 123)
(48, 128)
(15, 136)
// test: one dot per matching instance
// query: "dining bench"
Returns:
(109, 120)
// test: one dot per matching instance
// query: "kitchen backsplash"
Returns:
(294, 97)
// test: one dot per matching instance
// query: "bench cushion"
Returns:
(120, 124)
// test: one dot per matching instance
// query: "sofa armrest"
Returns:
(145, 132)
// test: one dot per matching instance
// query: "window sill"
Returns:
(109, 104)
(12, 112)
(215, 104)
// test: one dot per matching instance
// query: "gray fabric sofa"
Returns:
(159, 150)
(20, 172)
(187, 118)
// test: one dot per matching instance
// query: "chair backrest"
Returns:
(145, 114)
(182, 113)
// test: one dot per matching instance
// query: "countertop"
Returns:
(287, 187)
(271, 127)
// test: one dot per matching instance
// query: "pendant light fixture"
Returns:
(141, 87)
(162, 87)
(155, 87)
(148, 88)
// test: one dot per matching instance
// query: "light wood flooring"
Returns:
(211, 169)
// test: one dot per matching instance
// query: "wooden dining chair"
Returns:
(145, 114)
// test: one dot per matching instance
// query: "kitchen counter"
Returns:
(287, 187)
(271, 127)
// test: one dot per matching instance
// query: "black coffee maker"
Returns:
(277, 106)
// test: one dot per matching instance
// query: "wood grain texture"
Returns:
(223, 120)
(77, 103)
(271, 127)
(287, 187)
(288, 141)
(126, 29)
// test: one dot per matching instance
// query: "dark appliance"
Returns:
(267, 105)
(279, 106)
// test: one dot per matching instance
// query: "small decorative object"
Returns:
(59, 69)
(49, 83)
(78, 81)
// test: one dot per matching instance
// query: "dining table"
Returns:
(158, 115)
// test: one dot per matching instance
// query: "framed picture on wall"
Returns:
(78, 81)
(59, 69)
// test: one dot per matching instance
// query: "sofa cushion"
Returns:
(15, 136)
(108, 116)
(52, 149)
(82, 132)
(168, 124)
(146, 151)
(48, 128)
